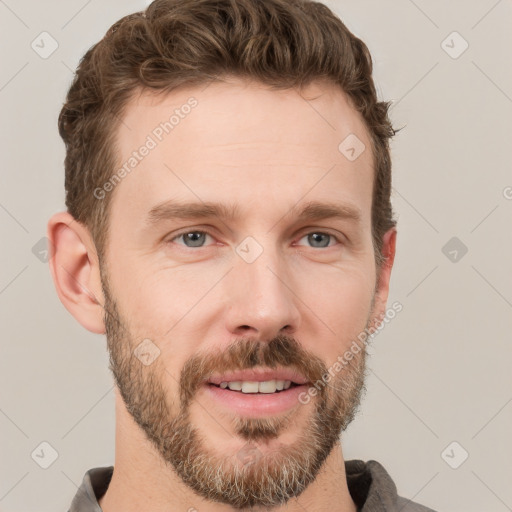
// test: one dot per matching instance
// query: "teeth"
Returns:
(249, 387)
(235, 385)
(268, 386)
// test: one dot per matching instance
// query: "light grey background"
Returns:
(440, 371)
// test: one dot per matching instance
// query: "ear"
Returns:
(384, 274)
(75, 270)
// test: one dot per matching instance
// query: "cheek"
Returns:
(340, 300)
(160, 299)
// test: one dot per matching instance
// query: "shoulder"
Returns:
(373, 489)
(94, 485)
(405, 505)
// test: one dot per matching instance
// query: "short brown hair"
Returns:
(280, 43)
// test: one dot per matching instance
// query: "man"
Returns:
(229, 229)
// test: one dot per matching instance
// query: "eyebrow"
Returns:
(313, 210)
(170, 210)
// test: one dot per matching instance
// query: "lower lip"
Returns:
(256, 404)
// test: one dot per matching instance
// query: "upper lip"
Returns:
(258, 376)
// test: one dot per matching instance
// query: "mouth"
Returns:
(264, 387)
(255, 393)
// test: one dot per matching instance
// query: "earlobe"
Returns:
(75, 271)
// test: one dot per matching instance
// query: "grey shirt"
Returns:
(369, 484)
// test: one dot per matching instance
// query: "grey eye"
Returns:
(194, 238)
(316, 239)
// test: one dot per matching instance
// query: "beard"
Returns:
(249, 476)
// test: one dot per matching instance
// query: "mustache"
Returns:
(246, 353)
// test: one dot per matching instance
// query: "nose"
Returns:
(262, 299)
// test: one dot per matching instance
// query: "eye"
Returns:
(319, 239)
(197, 239)
(191, 238)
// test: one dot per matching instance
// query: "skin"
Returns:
(268, 152)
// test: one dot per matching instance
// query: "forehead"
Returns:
(241, 142)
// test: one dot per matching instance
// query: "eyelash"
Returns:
(317, 232)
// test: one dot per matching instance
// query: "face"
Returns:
(241, 242)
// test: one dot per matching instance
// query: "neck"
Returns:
(142, 481)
